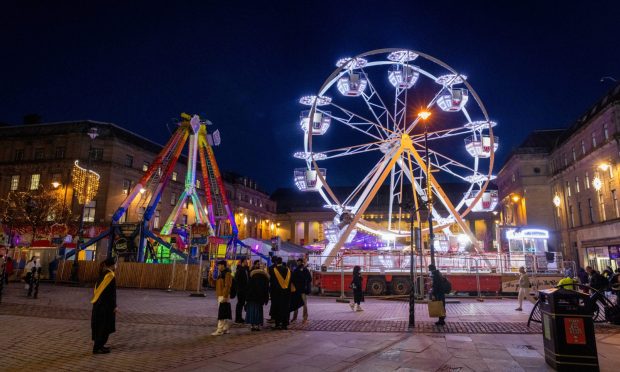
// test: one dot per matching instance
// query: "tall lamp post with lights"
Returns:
(424, 115)
(87, 189)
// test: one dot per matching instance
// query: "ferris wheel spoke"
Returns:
(352, 150)
(361, 185)
(362, 124)
(375, 102)
(441, 134)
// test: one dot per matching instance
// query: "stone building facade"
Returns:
(575, 192)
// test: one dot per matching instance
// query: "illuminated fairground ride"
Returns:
(148, 192)
(413, 123)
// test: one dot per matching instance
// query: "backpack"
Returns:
(446, 285)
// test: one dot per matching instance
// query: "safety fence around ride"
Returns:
(173, 276)
(502, 263)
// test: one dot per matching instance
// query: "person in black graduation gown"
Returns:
(103, 321)
(280, 282)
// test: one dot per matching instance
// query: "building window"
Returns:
(574, 154)
(19, 155)
(128, 161)
(568, 188)
(156, 219)
(565, 160)
(579, 211)
(601, 203)
(606, 131)
(39, 154)
(60, 153)
(174, 176)
(173, 198)
(615, 198)
(14, 182)
(96, 153)
(89, 211)
(590, 210)
(126, 186)
(587, 181)
(572, 216)
(593, 139)
(145, 166)
(35, 179)
(197, 184)
(184, 219)
(514, 178)
(583, 147)
(577, 185)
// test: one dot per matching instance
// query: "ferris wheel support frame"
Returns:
(406, 145)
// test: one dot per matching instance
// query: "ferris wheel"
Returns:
(398, 125)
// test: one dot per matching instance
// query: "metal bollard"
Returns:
(198, 292)
(174, 264)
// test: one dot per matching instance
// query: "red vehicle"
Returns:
(386, 272)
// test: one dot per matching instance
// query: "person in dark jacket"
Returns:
(596, 279)
(437, 293)
(280, 284)
(302, 280)
(270, 272)
(103, 320)
(257, 296)
(583, 276)
(358, 290)
(242, 277)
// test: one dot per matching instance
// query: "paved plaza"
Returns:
(159, 330)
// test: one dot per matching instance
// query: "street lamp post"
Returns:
(424, 115)
(92, 133)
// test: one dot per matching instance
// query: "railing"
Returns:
(495, 263)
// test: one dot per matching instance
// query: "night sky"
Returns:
(246, 63)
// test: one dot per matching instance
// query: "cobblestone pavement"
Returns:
(158, 330)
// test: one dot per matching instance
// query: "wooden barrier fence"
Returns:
(178, 276)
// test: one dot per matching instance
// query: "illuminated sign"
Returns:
(527, 234)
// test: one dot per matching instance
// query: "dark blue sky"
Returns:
(246, 63)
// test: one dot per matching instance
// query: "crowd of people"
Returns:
(286, 288)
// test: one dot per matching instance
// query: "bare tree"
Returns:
(39, 209)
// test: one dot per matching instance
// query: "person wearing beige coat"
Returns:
(222, 291)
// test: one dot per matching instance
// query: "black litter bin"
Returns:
(568, 330)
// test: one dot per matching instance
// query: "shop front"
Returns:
(602, 256)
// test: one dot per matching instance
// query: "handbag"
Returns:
(436, 309)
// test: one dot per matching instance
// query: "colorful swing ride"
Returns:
(138, 241)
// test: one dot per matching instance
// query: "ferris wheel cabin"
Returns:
(403, 76)
(308, 179)
(352, 85)
(452, 99)
(320, 122)
(486, 203)
(480, 145)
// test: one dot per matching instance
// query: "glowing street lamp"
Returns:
(597, 183)
(55, 184)
(557, 201)
(515, 198)
(424, 114)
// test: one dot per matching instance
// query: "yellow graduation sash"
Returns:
(283, 282)
(99, 288)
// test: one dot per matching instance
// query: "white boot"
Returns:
(220, 329)
(226, 326)
(358, 308)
